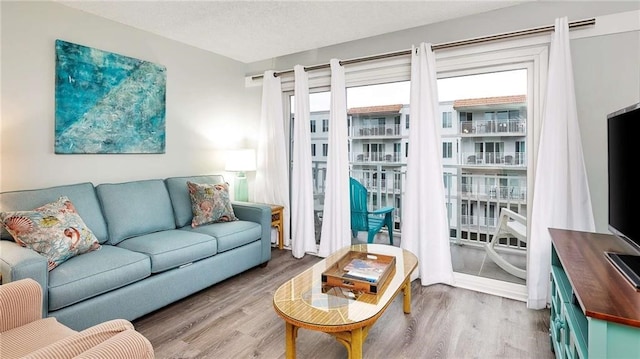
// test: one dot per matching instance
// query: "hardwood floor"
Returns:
(235, 319)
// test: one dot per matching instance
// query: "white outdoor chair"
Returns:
(510, 224)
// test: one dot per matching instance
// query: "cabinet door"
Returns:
(568, 325)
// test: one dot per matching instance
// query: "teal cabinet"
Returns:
(595, 313)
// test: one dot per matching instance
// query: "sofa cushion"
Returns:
(95, 273)
(210, 203)
(230, 235)
(135, 208)
(54, 230)
(177, 187)
(83, 196)
(171, 249)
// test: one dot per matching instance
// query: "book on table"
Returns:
(360, 271)
(367, 269)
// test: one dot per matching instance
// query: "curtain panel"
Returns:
(303, 222)
(561, 197)
(425, 227)
(272, 175)
(336, 219)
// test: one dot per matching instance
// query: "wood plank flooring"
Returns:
(235, 319)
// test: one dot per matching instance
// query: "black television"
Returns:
(623, 144)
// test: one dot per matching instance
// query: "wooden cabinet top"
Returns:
(602, 291)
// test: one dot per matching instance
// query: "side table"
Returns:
(277, 212)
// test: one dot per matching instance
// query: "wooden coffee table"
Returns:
(303, 302)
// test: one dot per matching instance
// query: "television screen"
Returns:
(623, 138)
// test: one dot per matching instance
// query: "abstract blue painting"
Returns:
(107, 103)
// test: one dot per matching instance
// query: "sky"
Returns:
(473, 86)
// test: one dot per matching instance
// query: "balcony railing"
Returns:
(465, 194)
(376, 131)
(369, 157)
(511, 126)
(494, 158)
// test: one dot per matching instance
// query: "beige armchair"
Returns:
(25, 334)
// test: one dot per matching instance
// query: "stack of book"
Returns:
(360, 271)
(365, 269)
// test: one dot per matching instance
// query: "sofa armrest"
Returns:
(261, 214)
(18, 262)
(20, 303)
(113, 339)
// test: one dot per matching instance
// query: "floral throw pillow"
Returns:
(210, 203)
(54, 230)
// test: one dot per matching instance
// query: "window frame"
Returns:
(526, 53)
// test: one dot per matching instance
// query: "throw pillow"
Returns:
(54, 230)
(210, 203)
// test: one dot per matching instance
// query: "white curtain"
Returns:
(272, 180)
(336, 218)
(425, 227)
(561, 196)
(302, 223)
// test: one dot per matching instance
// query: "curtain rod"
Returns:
(446, 45)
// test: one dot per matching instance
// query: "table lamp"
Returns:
(241, 161)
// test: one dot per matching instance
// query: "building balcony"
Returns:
(376, 157)
(506, 159)
(360, 131)
(494, 193)
(512, 127)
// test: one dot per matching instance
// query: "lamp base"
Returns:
(241, 190)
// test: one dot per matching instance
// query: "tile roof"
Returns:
(374, 109)
(483, 101)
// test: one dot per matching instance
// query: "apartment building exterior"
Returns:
(483, 153)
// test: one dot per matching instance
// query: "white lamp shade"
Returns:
(241, 160)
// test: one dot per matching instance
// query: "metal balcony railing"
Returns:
(503, 127)
(473, 201)
(360, 130)
(494, 158)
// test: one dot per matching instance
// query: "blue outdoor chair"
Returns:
(362, 219)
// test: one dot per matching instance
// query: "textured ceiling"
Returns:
(250, 31)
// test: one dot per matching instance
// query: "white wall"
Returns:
(209, 109)
(206, 109)
(606, 68)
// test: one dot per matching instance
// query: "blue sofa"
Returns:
(150, 254)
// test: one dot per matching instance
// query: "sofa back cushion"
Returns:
(179, 193)
(135, 208)
(82, 195)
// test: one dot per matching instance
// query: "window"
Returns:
(446, 119)
(325, 149)
(374, 151)
(447, 150)
(313, 149)
(313, 126)
(466, 116)
(446, 177)
(472, 190)
(325, 125)
(520, 153)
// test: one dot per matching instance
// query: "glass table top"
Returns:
(305, 301)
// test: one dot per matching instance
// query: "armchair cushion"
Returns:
(128, 344)
(26, 335)
(77, 344)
